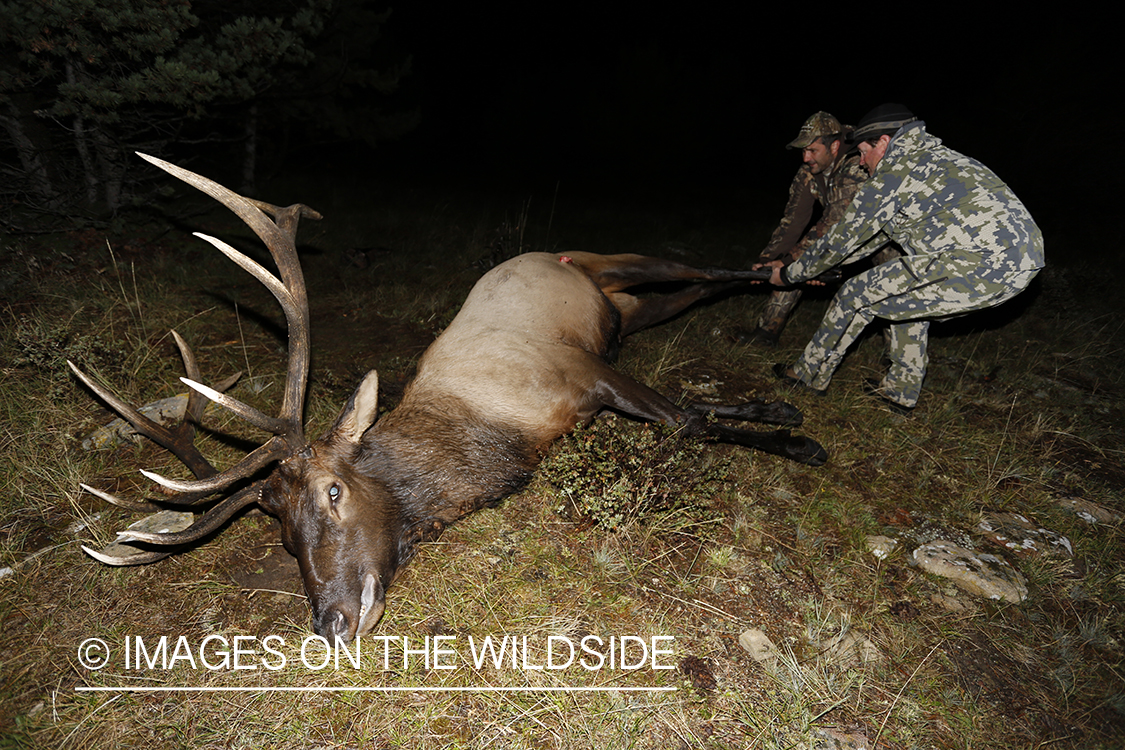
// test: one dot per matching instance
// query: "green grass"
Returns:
(774, 546)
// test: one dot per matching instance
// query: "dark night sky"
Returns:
(711, 97)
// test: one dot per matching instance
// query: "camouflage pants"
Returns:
(782, 301)
(778, 307)
(950, 287)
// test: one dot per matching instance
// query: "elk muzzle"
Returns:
(347, 617)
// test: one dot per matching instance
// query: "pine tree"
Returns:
(83, 83)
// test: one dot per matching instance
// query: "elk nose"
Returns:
(335, 624)
(371, 605)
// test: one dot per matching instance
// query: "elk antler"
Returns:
(179, 440)
(279, 236)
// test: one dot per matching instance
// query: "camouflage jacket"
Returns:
(833, 191)
(935, 203)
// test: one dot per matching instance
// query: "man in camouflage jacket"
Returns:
(831, 175)
(969, 244)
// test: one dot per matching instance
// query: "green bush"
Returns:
(614, 471)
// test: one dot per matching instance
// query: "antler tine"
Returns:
(203, 526)
(286, 218)
(198, 401)
(280, 238)
(115, 500)
(178, 441)
(274, 449)
(141, 558)
(185, 499)
(295, 308)
(247, 412)
(206, 523)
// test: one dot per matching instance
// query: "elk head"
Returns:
(338, 521)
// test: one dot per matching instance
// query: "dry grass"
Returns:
(781, 549)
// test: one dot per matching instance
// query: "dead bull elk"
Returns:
(523, 362)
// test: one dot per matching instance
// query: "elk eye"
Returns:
(334, 494)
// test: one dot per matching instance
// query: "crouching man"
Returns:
(829, 175)
(968, 244)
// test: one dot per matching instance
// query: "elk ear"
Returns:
(360, 411)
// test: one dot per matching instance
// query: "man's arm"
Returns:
(848, 239)
(798, 213)
(845, 184)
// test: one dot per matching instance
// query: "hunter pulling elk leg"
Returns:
(525, 360)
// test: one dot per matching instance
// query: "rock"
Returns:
(849, 649)
(926, 530)
(164, 411)
(825, 738)
(881, 546)
(949, 603)
(975, 572)
(831, 738)
(703, 387)
(760, 648)
(1089, 512)
(119, 432)
(161, 522)
(1016, 533)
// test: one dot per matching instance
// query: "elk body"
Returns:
(524, 361)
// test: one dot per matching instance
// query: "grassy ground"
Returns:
(1022, 412)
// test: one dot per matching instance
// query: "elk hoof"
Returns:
(809, 452)
(784, 414)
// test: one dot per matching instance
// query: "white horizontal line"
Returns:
(369, 689)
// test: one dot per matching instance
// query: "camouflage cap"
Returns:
(885, 119)
(816, 126)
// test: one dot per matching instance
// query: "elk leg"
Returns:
(621, 393)
(776, 412)
(780, 443)
(639, 313)
(612, 273)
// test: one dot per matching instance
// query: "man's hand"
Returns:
(831, 276)
(763, 264)
(776, 265)
(775, 277)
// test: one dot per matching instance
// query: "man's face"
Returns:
(870, 153)
(818, 157)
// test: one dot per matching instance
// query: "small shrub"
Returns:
(614, 471)
(44, 346)
(47, 346)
